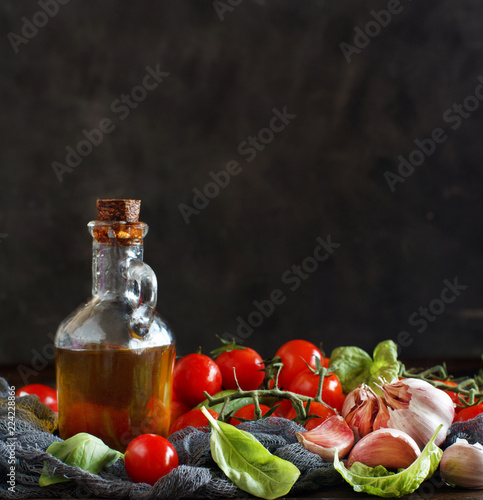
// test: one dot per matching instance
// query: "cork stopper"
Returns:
(118, 210)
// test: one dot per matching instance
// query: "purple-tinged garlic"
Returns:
(391, 448)
(462, 465)
(331, 434)
(360, 409)
(417, 408)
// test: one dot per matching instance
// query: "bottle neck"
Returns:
(107, 265)
(114, 245)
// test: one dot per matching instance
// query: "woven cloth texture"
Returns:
(25, 438)
(471, 430)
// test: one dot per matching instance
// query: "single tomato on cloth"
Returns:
(249, 368)
(46, 394)
(192, 418)
(295, 356)
(194, 374)
(320, 410)
(248, 413)
(306, 383)
(149, 457)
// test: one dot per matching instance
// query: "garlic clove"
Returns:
(362, 409)
(391, 448)
(359, 410)
(417, 408)
(462, 465)
(331, 434)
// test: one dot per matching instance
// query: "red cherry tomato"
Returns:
(468, 413)
(283, 408)
(319, 409)
(149, 457)
(248, 413)
(192, 418)
(46, 394)
(194, 374)
(294, 354)
(177, 409)
(307, 384)
(249, 368)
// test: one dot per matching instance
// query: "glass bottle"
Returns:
(114, 354)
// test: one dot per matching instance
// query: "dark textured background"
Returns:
(323, 174)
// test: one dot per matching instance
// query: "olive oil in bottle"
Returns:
(114, 354)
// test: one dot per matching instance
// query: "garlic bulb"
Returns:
(462, 465)
(417, 408)
(331, 434)
(391, 448)
(360, 409)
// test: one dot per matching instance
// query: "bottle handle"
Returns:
(142, 289)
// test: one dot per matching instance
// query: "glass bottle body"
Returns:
(114, 354)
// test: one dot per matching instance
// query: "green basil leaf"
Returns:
(248, 464)
(385, 364)
(354, 366)
(378, 481)
(82, 450)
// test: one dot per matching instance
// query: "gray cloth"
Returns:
(471, 430)
(23, 446)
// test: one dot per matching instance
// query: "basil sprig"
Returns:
(82, 450)
(247, 463)
(353, 366)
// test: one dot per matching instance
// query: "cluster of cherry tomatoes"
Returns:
(243, 367)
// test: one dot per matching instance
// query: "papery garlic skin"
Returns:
(391, 448)
(462, 465)
(360, 409)
(417, 408)
(332, 434)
